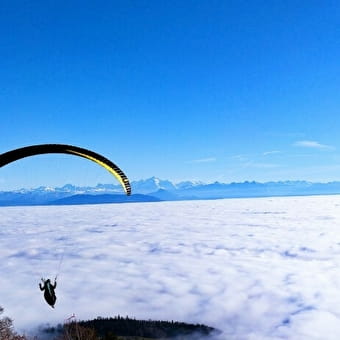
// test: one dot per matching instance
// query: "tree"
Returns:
(73, 331)
(6, 329)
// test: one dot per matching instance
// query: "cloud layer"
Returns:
(263, 268)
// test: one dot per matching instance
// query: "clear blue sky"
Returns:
(204, 90)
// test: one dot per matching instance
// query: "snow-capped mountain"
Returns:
(188, 184)
(153, 188)
(151, 185)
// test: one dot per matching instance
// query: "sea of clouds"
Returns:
(262, 268)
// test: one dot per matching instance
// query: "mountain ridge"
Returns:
(154, 189)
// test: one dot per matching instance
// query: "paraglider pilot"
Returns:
(48, 289)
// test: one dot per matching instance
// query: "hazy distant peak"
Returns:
(188, 184)
(68, 187)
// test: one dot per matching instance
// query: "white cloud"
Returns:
(230, 264)
(273, 152)
(312, 145)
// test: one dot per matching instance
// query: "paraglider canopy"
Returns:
(14, 155)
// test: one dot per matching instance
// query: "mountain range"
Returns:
(155, 189)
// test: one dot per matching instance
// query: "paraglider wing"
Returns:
(14, 155)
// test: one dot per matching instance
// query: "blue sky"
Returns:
(183, 90)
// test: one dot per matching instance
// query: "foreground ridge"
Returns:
(124, 328)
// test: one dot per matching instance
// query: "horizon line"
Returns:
(199, 182)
